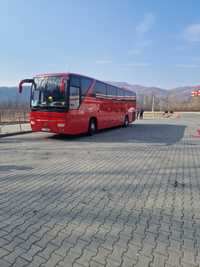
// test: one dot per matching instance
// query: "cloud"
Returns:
(140, 42)
(138, 64)
(146, 24)
(103, 61)
(192, 33)
(140, 47)
(188, 66)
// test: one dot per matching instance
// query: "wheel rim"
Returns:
(92, 127)
(126, 122)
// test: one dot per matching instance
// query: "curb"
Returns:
(15, 133)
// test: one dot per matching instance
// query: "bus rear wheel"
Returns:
(92, 129)
(126, 122)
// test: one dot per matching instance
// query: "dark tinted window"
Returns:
(120, 93)
(85, 84)
(130, 94)
(100, 89)
(111, 91)
(74, 81)
(114, 91)
(74, 97)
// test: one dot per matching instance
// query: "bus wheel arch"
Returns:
(92, 126)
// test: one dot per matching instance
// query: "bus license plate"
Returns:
(45, 129)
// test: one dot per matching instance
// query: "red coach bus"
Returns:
(68, 103)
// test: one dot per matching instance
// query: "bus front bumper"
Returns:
(45, 125)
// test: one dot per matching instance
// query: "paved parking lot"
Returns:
(125, 197)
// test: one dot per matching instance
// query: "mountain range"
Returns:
(179, 94)
(10, 94)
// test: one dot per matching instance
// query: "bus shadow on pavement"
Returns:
(137, 133)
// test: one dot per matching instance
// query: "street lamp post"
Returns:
(153, 103)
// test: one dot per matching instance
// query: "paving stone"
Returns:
(86, 257)
(158, 260)
(116, 254)
(4, 252)
(95, 264)
(47, 251)
(28, 255)
(4, 263)
(37, 261)
(52, 261)
(11, 258)
(63, 249)
(69, 260)
(19, 263)
(143, 261)
(189, 257)
(174, 258)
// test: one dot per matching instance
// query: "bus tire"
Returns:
(92, 128)
(126, 122)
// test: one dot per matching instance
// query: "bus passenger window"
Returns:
(100, 89)
(85, 84)
(74, 97)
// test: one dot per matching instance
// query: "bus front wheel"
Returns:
(92, 129)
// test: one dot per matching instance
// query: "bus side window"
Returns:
(74, 97)
(74, 92)
(100, 89)
(85, 84)
(114, 92)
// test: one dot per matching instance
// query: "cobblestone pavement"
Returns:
(124, 197)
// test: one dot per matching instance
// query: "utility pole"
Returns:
(153, 103)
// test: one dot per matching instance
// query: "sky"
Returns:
(146, 42)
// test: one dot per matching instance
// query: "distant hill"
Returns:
(8, 94)
(181, 93)
(143, 90)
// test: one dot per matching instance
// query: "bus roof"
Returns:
(66, 74)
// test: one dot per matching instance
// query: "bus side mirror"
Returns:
(24, 81)
(62, 86)
(20, 87)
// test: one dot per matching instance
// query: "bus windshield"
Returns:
(46, 92)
